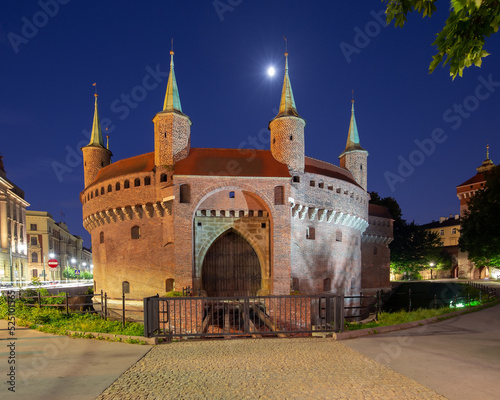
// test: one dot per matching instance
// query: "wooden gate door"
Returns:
(231, 267)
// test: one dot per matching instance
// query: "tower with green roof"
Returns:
(172, 126)
(354, 158)
(95, 154)
(287, 129)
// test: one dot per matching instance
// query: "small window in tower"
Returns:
(147, 181)
(163, 177)
(117, 186)
(375, 250)
(199, 224)
(88, 196)
(296, 179)
(91, 195)
(102, 163)
(110, 188)
(185, 193)
(102, 190)
(312, 183)
(137, 182)
(311, 233)
(85, 163)
(279, 195)
(338, 236)
(346, 192)
(263, 225)
(96, 193)
(291, 137)
(135, 232)
(321, 185)
(231, 195)
(330, 187)
(361, 167)
(126, 184)
(101, 237)
(274, 141)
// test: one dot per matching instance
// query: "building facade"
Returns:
(49, 239)
(231, 222)
(13, 248)
(448, 229)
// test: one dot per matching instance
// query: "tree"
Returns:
(69, 273)
(480, 227)
(460, 42)
(413, 248)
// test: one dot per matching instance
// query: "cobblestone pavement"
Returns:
(308, 368)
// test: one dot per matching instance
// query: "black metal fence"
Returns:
(242, 316)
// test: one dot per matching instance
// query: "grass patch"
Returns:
(401, 317)
(58, 322)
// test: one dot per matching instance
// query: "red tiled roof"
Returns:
(479, 177)
(223, 162)
(231, 162)
(142, 163)
(314, 166)
(375, 210)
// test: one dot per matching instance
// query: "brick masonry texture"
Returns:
(356, 162)
(172, 137)
(94, 158)
(287, 141)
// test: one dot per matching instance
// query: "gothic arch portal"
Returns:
(231, 267)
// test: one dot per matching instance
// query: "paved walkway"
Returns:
(58, 367)
(459, 357)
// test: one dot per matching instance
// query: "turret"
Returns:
(95, 155)
(354, 158)
(287, 129)
(172, 126)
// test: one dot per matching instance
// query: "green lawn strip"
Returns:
(402, 317)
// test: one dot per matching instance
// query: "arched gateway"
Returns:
(231, 267)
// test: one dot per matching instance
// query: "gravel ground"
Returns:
(309, 368)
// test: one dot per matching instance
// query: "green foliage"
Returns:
(460, 43)
(173, 293)
(86, 275)
(480, 228)
(69, 273)
(35, 281)
(413, 248)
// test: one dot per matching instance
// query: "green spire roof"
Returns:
(287, 104)
(352, 136)
(96, 136)
(172, 99)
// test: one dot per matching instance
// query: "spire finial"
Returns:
(487, 151)
(352, 99)
(172, 101)
(107, 140)
(95, 86)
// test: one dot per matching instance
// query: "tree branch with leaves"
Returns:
(460, 43)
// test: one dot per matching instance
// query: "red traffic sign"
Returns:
(53, 263)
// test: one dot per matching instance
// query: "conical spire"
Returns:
(287, 104)
(172, 100)
(352, 136)
(96, 136)
(487, 164)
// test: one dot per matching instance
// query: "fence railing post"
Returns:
(435, 301)
(106, 305)
(102, 305)
(123, 310)
(409, 300)
(67, 304)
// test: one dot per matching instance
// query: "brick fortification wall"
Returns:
(94, 158)
(172, 137)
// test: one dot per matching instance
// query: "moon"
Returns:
(271, 71)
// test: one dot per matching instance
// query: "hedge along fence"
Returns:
(81, 303)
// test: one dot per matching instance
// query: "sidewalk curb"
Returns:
(392, 328)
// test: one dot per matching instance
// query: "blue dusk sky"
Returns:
(425, 133)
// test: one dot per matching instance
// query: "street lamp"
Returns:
(432, 266)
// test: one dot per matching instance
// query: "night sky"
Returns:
(222, 52)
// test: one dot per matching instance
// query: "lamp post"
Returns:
(432, 266)
(73, 261)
